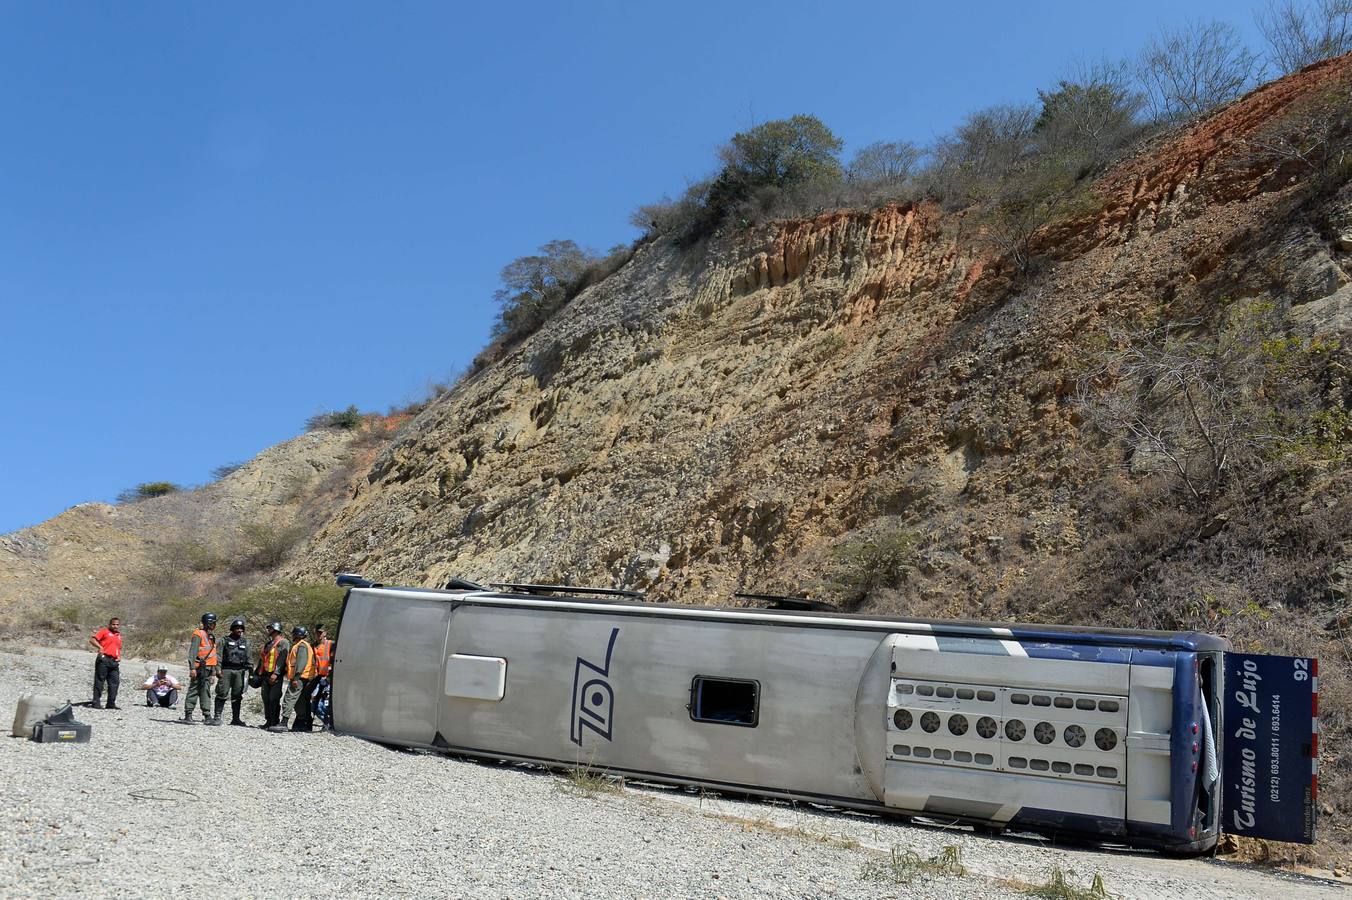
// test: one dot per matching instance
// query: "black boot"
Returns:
(216, 719)
(234, 713)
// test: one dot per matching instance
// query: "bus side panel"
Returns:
(615, 691)
(388, 667)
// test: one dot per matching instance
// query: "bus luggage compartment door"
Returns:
(979, 733)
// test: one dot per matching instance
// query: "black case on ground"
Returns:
(61, 727)
(74, 733)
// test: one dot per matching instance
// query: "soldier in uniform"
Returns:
(202, 662)
(272, 672)
(234, 672)
(301, 672)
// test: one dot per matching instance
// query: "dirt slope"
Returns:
(95, 554)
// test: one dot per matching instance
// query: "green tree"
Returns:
(764, 164)
(783, 153)
(340, 420)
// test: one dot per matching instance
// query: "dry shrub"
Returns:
(266, 545)
(290, 603)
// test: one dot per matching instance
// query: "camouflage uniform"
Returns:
(298, 690)
(272, 690)
(200, 678)
(234, 675)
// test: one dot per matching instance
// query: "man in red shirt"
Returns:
(108, 641)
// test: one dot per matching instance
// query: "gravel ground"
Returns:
(151, 808)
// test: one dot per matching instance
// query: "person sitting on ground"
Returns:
(162, 689)
(108, 641)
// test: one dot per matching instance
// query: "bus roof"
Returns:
(1034, 633)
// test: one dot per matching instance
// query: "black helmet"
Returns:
(209, 619)
(275, 626)
(299, 631)
(238, 623)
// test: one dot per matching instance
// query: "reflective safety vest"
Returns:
(324, 657)
(309, 671)
(268, 661)
(206, 650)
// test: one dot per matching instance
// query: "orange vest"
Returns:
(309, 670)
(268, 661)
(324, 657)
(206, 650)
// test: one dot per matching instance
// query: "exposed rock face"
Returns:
(699, 423)
(674, 427)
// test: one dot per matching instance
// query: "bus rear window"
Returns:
(727, 701)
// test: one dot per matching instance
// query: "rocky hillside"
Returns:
(98, 559)
(714, 419)
(879, 408)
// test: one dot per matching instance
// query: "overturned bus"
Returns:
(1158, 739)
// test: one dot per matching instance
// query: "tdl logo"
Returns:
(593, 697)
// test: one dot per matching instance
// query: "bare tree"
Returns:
(1315, 139)
(884, 162)
(992, 141)
(969, 164)
(1038, 193)
(1090, 115)
(668, 216)
(1299, 34)
(1190, 70)
(1202, 408)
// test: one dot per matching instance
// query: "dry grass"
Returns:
(838, 840)
(1058, 887)
(904, 866)
(586, 781)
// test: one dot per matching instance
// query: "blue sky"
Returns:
(219, 219)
